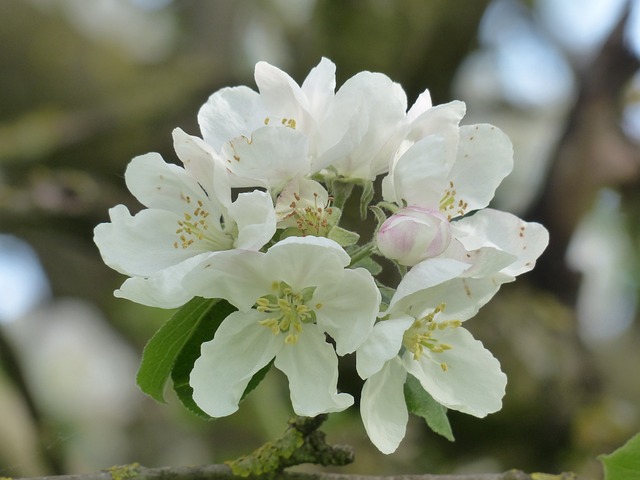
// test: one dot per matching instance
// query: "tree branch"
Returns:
(223, 472)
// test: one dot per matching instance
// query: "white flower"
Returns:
(306, 128)
(423, 336)
(287, 299)
(189, 217)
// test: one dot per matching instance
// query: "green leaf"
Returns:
(369, 264)
(202, 331)
(343, 237)
(624, 463)
(420, 403)
(160, 353)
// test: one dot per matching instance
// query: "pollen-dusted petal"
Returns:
(471, 381)
(280, 94)
(240, 347)
(348, 308)
(504, 231)
(484, 159)
(272, 156)
(230, 113)
(142, 244)
(311, 366)
(382, 407)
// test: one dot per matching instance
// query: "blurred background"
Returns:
(87, 85)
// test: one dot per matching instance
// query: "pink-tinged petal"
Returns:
(484, 159)
(255, 218)
(230, 113)
(157, 184)
(311, 366)
(346, 309)
(304, 262)
(471, 382)
(238, 276)
(382, 407)
(142, 244)
(382, 345)
(503, 231)
(240, 348)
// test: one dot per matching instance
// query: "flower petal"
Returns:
(348, 308)
(239, 349)
(230, 113)
(238, 276)
(142, 244)
(157, 184)
(382, 345)
(272, 156)
(163, 289)
(382, 406)
(505, 232)
(255, 218)
(311, 366)
(472, 382)
(425, 275)
(304, 262)
(319, 87)
(484, 159)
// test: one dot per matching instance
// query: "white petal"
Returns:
(421, 105)
(238, 276)
(472, 383)
(142, 244)
(239, 349)
(306, 261)
(382, 345)
(419, 174)
(280, 94)
(303, 192)
(163, 289)
(484, 159)
(505, 232)
(319, 86)
(426, 274)
(255, 218)
(230, 113)
(349, 308)
(382, 407)
(311, 366)
(272, 156)
(204, 165)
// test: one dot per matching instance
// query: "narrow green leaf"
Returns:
(160, 353)
(202, 331)
(343, 237)
(623, 463)
(420, 403)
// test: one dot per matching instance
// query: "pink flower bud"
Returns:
(414, 234)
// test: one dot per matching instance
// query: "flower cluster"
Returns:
(252, 217)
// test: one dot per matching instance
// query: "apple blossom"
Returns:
(287, 299)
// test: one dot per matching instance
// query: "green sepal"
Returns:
(369, 264)
(366, 197)
(379, 214)
(202, 331)
(623, 463)
(161, 352)
(343, 237)
(420, 403)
